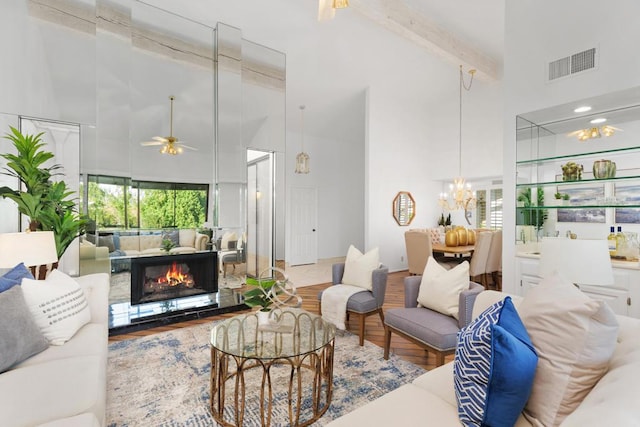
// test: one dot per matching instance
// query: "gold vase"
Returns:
(451, 238)
(471, 237)
(462, 237)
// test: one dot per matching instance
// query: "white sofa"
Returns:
(151, 244)
(190, 241)
(63, 386)
(430, 399)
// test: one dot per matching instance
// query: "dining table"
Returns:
(456, 251)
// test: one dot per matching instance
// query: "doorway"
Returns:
(304, 238)
(260, 208)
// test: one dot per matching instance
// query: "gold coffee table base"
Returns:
(237, 378)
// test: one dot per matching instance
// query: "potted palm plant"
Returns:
(48, 204)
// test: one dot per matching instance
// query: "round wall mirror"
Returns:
(404, 208)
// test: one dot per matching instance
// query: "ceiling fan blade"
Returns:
(150, 143)
(188, 147)
(160, 138)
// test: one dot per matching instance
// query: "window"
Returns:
(489, 208)
(120, 203)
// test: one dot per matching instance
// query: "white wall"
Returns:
(337, 171)
(543, 30)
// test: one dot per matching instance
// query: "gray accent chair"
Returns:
(434, 331)
(363, 303)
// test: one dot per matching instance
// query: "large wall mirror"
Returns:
(112, 66)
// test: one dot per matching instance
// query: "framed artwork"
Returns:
(587, 195)
(627, 194)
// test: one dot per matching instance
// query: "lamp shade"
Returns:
(583, 262)
(33, 249)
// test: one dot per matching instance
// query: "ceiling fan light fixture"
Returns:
(170, 144)
(340, 4)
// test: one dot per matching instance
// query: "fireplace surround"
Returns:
(166, 277)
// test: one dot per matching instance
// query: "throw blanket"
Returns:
(334, 303)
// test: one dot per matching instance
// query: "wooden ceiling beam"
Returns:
(397, 17)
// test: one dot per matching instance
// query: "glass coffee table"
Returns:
(285, 365)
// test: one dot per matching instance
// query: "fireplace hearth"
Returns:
(159, 278)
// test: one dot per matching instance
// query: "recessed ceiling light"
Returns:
(598, 120)
(582, 109)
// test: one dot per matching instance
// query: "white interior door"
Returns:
(304, 218)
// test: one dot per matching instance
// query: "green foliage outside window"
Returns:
(114, 202)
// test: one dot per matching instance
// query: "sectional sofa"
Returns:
(430, 399)
(64, 385)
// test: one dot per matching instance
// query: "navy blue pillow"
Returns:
(494, 367)
(14, 277)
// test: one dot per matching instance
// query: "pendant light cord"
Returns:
(302, 126)
(467, 88)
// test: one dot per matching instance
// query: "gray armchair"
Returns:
(435, 331)
(363, 303)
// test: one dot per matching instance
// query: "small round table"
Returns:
(290, 356)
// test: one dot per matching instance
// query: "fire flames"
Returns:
(176, 276)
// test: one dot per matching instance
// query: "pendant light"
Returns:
(302, 159)
(460, 195)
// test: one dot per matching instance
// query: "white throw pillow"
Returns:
(187, 237)
(440, 288)
(574, 337)
(226, 237)
(358, 267)
(58, 305)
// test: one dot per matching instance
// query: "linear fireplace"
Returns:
(158, 278)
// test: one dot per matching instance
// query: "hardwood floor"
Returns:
(374, 330)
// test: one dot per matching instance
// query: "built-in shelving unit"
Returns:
(545, 143)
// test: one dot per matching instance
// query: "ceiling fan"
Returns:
(594, 132)
(170, 144)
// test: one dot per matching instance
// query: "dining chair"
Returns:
(494, 261)
(478, 264)
(419, 248)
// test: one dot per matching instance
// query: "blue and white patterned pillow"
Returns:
(494, 367)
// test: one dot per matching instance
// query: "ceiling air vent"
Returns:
(576, 63)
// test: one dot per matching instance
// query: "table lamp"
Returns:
(36, 248)
(583, 262)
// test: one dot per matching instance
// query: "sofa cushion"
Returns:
(20, 337)
(575, 337)
(440, 288)
(150, 241)
(58, 305)
(407, 405)
(14, 277)
(358, 267)
(129, 243)
(88, 419)
(90, 340)
(494, 367)
(57, 389)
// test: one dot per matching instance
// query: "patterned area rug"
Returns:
(163, 380)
